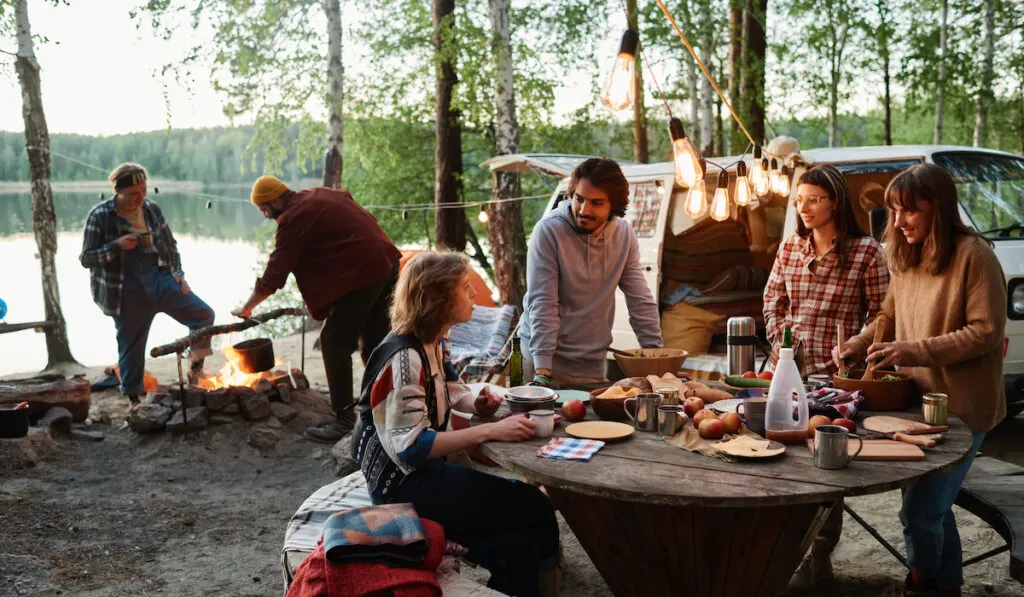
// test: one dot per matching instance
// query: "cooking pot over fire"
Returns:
(255, 356)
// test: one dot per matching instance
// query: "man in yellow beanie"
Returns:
(345, 266)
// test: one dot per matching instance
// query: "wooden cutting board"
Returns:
(881, 449)
(885, 424)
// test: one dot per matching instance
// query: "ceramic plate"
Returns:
(748, 447)
(726, 406)
(603, 430)
(567, 395)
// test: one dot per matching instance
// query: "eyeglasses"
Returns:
(810, 200)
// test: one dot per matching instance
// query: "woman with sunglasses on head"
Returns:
(948, 302)
(828, 273)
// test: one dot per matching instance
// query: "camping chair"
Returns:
(480, 347)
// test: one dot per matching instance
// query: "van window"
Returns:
(990, 187)
(643, 210)
(867, 182)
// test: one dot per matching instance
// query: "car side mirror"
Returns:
(879, 218)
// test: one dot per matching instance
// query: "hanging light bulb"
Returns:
(697, 197)
(405, 215)
(763, 186)
(688, 163)
(720, 203)
(742, 186)
(483, 214)
(773, 177)
(783, 188)
(758, 171)
(620, 92)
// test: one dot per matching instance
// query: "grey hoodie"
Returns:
(569, 307)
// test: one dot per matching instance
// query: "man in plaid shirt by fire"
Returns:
(828, 273)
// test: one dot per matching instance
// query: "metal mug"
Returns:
(830, 447)
(646, 417)
(145, 239)
(933, 408)
(671, 419)
(545, 420)
(752, 410)
(669, 395)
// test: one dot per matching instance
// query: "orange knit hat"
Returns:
(266, 189)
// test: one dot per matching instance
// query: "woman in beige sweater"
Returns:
(947, 296)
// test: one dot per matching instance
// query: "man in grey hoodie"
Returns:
(580, 252)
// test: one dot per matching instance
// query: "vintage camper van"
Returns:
(680, 255)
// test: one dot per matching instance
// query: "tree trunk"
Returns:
(940, 86)
(985, 93)
(737, 142)
(692, 89)
(884, 31)
(505, 220)
(640, 145)
(707, 94)
(755, 43)
(44, 220)
(449, 223)
(335, 96)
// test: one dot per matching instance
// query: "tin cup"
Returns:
(646, 411)
(933, 408)
(830, 451)
(145, 239)
(669, 395)
(752, 411)
(670, 419)
(545, 420)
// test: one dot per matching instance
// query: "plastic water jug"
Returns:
(785, 418)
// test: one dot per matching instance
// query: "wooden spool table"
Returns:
(660, 521)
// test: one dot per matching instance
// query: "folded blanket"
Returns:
(390, 534)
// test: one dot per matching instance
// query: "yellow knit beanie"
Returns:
(266, 189)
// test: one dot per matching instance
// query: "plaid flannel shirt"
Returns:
(102, 255)
(811, 294)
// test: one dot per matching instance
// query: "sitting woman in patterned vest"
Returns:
(401, 439)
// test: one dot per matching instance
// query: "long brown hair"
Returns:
(422, 303)
(932, 183)
(831, 179)
(606, 175)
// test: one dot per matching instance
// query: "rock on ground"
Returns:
(148, 418)
(22, 452)
(198, 418)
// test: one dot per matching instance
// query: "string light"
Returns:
(688, 163)
(782, 186)
(773, 176)
(742, 186)
(720, 203)
(697, 197)
(758, 172)
(763, 187)
(405, 215)
(483, 214)
(620, 92)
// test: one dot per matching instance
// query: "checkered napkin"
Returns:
(834, 403)
(570, 448)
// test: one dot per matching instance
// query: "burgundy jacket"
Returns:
(331, 244)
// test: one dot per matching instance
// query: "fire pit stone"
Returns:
(217, 400)
(255, 406)
(198, 418)
(148, 418)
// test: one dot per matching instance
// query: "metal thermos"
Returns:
(741, 339)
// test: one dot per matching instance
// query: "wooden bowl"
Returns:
(609, 409)
(651, 362)
(881, 395)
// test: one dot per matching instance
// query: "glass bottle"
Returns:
(515, 363)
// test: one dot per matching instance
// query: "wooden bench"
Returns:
(994, 492)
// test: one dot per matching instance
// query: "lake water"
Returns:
(218, 254)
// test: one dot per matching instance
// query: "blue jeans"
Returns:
(929, 527)
(149, 290)
(508, 526)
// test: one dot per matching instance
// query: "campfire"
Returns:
(232, 375)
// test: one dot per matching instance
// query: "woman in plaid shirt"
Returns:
(828, 273)
(136, 273)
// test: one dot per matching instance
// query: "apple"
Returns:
(816, 421)
(692, 405)
(701, 415)
(574, 410)
(844, 422)
(711, 429)
(749, 374)
(765, 375)
(731, 422)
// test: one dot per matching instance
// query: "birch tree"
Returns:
(640, 146)
(985, 94)
(940, 83)
(44, 219)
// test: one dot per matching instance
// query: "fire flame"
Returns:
(232, 375)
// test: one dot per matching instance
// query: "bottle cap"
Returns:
(786, 354)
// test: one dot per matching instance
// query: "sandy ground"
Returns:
(205, 514)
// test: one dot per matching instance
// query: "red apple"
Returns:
(701, 415)
(574, 410)
(844, 422)
(816, 421)
(765, 375)
(711, 429)
(749, 374)
(692, 405)
(731, 422)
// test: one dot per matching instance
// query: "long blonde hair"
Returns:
(422, 304)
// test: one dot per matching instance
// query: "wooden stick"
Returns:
(181, 344)
(881, 329)
(841, 343)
